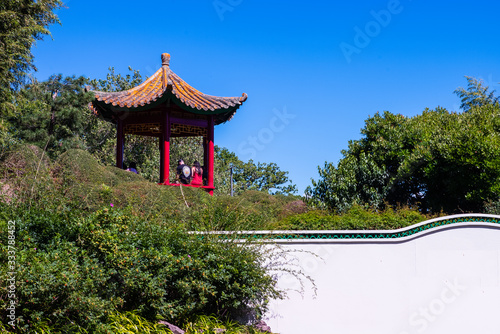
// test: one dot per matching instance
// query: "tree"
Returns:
(435, 161)
(250, 176)
(22, 23)
(339, 187)
(52, 114)
(476, 94)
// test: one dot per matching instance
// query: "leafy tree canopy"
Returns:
(476, 94)
(436, 161)
(266, 177)
(22, 23)
(52, 114)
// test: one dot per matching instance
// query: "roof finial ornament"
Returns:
(165, 59)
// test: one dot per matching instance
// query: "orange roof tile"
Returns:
(158, 86)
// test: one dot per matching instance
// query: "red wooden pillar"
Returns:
(120, 139)
(205, 157)
(165, 149)
(160, 147)
(210, 160)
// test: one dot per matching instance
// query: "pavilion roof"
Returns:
(158, 88)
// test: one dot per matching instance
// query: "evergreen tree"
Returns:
(435, 161)
(22, 23)
(53, 114)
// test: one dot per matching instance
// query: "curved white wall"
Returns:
(441, 280)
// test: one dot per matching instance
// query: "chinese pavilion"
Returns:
(165, 106)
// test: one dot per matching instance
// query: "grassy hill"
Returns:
(99, 249)
(76, 181)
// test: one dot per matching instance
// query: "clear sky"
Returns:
(313, 71)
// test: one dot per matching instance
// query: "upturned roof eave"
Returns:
(109, 112)
(163, 85)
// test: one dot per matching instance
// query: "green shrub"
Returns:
(132, 323)
(311, 220)
(492, 207)
(224, 213)
(122, 176)
(270, 207)
(76, 270)
(154, 201)
(25, 175)
(79, 166)
(103, 248)
(77, 181)
(252, 210)
(356, 218)
(129, 322)
(212, 325)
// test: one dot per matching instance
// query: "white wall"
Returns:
(442, 280)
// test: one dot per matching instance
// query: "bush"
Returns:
(251, 210)
(153, 201)
(25, 174)
(356, 218)
(77, 270)
(212, 325)
(77, 181)
(102, 247)
(130, 322)
(492, 207)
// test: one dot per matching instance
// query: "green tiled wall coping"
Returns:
(367, 236)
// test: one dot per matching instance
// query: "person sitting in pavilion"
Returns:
(197, 173)
(165, 106)
(132, 167)
(183, 174)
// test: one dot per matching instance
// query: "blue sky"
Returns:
(313, 72)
